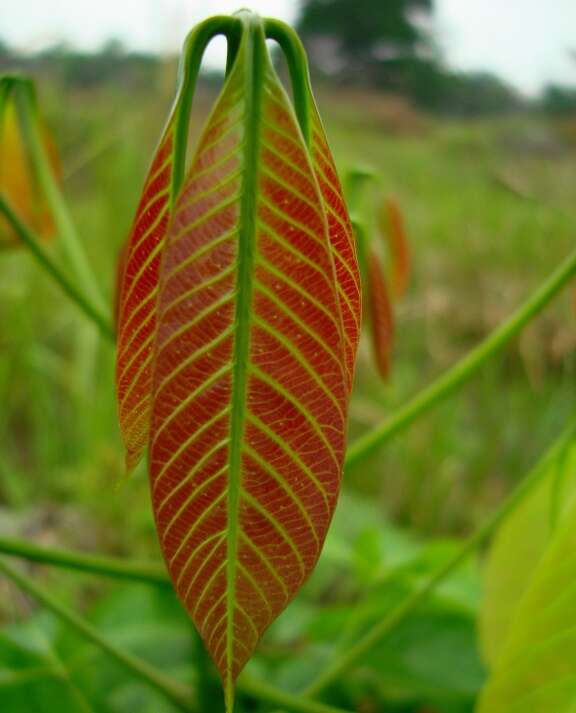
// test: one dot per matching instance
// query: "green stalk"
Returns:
(297, 62)
(188, 71)
(263, 692)
(145, 572)
(411, 602)
(174, 691)
(463, 370)
(33, 243)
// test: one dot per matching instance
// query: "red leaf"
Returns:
(250, 381)
(18, 180)
(394, 230)
(139, 265)
(342, 239)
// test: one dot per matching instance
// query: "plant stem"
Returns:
(34, 245)
(463, 370)
(269, 694)
(111, 567)
(174, 691)
(411, 602)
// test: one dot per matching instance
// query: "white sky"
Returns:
(525, 41)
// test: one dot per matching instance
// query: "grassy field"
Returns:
(489, 210)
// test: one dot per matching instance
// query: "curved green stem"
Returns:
(297, 61)
(410, 603)
(262, 691)
(463, 370)
(194, 47)
(148, 573)
(34, 245)
(174, 691)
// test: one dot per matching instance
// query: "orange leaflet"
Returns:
(19, 183)
(394, 230)
(380, 315)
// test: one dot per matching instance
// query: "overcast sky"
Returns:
(527, 42)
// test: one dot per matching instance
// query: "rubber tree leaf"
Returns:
(341, 237)
(139, 259)
(518, 547)
(340, 230)
(239, 379)
(136, 303)
(18, 180)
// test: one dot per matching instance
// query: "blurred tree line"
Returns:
(391, 45)
(388, 45)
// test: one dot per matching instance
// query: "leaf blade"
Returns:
(341, 238)
(138, 272)
(393, 228)
(248, 428)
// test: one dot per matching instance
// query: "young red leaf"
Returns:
(139, 264)
(136, 301)
(342, 240)
(18, 182)
(394, 230)
(237, 360)
(340, 230)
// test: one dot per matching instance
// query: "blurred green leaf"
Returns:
(33, 679)
(518, 548)
(536, 670)
(47, 668)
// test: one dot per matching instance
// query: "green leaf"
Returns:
(518, 547)
(33, 678)
(46, 667)
(536, 670)
(429, 659)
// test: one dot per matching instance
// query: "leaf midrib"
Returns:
(253, 68)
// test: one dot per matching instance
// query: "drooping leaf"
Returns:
(140, 258)
(18, 181)
(393, 228)
(536, 670)
(517, 549)
(371, 234)
(250, 377)
(136, 310)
